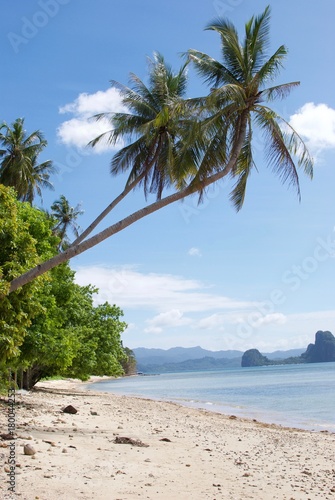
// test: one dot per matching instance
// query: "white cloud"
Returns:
(168, 319)
(82, 128)
(194, 252)
(188, 312)
(213, 322)
(271, 319)
(87, 105)
(129, 288)
(316, 124)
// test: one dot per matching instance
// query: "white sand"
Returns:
(208, 455)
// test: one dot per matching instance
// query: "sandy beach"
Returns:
(120, 448)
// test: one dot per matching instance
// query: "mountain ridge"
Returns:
(175, 359)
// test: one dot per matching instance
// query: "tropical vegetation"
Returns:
(174, 147)
(51, 326)
(185, 145)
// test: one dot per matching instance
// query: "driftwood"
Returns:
(127, 440)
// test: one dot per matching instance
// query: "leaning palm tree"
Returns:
(66, 220)
(19, 167)
(218, 141)
(238, 103)
(154, 125)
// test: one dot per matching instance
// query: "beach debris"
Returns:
(70, 409)
(167, 440)
(28, 449)
(233, 417)
(52, 443)
(7, 437)
(128, 440)
(94, 413)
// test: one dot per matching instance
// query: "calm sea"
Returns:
(300, 396)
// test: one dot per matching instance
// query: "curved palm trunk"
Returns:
(107, 210)
(75, 250)
(113, 204)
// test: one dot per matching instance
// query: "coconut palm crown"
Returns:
(153, 127)
(66, 220)
(239, 102)
(19, 166)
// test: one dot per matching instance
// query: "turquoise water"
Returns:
(300, 396)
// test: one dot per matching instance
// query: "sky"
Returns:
(189, 274)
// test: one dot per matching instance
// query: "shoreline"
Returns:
(267, 416)
(173, 451)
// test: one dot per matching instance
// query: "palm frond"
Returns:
(242, 170)
(256, 41)
(278, 92)
(213, 72)
(271, 67)
(231, 49)
(280, 148)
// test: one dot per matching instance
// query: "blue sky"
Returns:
(187, 275)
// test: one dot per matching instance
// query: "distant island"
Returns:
(189, 359)
(322, 351)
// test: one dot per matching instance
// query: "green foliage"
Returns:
(100, 351)
(25, 238)
(50, 342)
(71, 337)
(129, 364)
(49, 327)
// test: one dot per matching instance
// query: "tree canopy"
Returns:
(51, 327)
